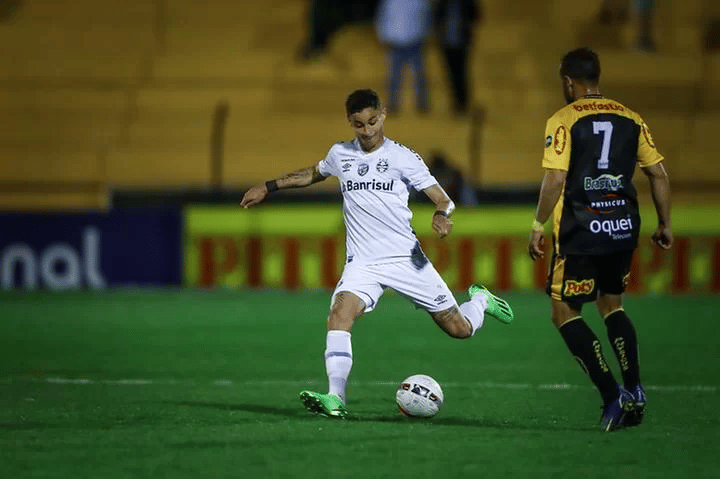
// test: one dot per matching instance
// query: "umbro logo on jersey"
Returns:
(363, 169)
(346, 167)
(548, 141)
(382, 166)
(440, 299)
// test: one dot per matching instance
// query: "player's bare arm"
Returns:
(550, 191)
(295, 179)
(444, 208)
(660, 191)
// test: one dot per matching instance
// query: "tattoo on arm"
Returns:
(299, 178)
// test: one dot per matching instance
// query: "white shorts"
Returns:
(424, 287)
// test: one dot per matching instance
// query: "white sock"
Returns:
(338, 361)
(474, 311)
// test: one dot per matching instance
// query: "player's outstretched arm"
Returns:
(444, 208)
(660, 191)
(550, 191)
(295, 179)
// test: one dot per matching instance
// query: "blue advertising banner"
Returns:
(94, 250)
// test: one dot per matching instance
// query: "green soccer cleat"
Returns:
(329, 405)
(498, 308)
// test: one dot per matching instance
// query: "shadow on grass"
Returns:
(299, 413)
(253, 408)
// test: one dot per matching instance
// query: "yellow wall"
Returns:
(122, 93)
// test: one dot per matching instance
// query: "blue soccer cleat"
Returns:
(636, 414)
(615, 412)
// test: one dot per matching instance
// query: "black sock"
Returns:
(585, 346)
(623, 338)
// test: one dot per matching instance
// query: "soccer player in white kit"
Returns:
(375, 174)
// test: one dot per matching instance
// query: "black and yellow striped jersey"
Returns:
(598, 142)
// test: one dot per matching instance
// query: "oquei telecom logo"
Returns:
(617, 229)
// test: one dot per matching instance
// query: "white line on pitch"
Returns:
(295, 383)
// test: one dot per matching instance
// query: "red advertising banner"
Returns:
(316, 261)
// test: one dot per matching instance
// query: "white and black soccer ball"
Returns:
(419, 396)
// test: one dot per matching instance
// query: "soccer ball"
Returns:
(419, 396)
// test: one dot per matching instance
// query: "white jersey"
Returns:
(375, 189)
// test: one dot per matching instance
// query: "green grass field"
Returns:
(204, 384)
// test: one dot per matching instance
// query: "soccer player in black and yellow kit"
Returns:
(592, 147)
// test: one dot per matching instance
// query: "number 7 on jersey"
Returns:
(605, 128)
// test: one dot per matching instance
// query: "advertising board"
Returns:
(89, 250)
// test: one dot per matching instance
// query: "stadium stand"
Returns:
(122, 94)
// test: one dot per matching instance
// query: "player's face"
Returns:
(368, 126)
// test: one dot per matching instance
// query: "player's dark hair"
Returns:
(361, 99)
(582, 65)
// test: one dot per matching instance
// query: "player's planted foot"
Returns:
(636, 414)
(329, 405)
(615, 412)
(497, 307)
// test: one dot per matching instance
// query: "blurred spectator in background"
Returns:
(454, 21)
(711, 36)
(616, 12)
(451, 179)
(613, 12)
(645, 11)
(403, 25)
(326, 17)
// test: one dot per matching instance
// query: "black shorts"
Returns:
(578, 278)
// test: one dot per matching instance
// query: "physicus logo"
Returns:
(603, 182)
(382, 165)
(363, 169)
(560, 139)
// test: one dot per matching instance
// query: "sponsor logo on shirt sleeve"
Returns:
(560, 139)
(648, 136)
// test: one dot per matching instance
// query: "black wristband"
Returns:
(440, 212)
(271, 185)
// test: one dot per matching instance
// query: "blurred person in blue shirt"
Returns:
(403, 25)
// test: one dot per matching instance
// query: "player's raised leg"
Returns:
(456, 324)
(346, 308)
(496, 307)
(463, 321)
